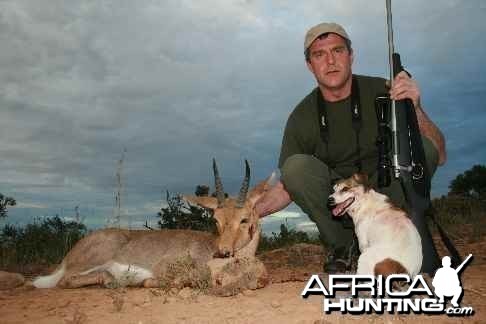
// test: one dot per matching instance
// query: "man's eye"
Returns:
(339, 50)
(244, 221)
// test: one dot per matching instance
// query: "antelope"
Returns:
(106, 256)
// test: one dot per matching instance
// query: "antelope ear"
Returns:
(206, 202)
(256, 192)
(261, 188)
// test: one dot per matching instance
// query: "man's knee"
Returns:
(297, 169)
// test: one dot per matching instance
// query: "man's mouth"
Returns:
(332, 72)
(341, 208)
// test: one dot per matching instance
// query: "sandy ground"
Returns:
(280, 302)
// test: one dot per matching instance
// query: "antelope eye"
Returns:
(244, 221)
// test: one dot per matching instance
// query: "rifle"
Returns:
(408, 157)
(459, 268)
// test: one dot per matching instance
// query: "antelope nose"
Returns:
(224, 253)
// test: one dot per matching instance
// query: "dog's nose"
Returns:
(331, 201)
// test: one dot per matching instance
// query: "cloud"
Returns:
(178, 83)
(27, 205)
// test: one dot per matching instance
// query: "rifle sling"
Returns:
(455, 256)
(356, 121)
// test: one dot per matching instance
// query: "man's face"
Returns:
(330, 61)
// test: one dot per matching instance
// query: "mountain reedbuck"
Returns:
(146, 257)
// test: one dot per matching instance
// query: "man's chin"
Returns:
(336, 81)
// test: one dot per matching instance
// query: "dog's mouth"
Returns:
(340, 209)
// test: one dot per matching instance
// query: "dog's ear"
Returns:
(362, 179)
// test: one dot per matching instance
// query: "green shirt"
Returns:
(302, 132)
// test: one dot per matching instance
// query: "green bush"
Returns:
(44, 242)
(286, 237)
(179, 215)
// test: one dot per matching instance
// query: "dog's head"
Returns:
(347, 192)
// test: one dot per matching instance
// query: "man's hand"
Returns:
(405, 87)
(274, 200)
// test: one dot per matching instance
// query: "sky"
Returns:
(166, 86)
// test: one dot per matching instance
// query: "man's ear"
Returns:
(309, 66)
(206, 202)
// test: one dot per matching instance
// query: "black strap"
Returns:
(455, 256)
(420, 173)
(356, 117)
(356, 121)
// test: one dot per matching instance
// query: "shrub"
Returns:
(286, 237)
(46, 241)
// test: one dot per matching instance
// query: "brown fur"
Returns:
(388, 267)
(358, 179)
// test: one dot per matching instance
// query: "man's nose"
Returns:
(330, 58)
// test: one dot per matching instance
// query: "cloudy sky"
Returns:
(175, 83)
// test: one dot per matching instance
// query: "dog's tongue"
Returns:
(338, 210)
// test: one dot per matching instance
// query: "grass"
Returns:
(186, 272)
(452, 212)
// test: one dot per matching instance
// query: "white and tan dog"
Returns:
(388, 240)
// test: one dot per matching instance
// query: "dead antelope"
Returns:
(110, 255)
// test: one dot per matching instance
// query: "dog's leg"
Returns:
(365, 264)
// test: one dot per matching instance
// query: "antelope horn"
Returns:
(244, 188)
(218, 186)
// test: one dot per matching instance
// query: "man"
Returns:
(446, 282)
(318, 148)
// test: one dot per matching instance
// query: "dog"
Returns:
(388, 240)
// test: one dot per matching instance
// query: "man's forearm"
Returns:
(432, 132)
(274, 200)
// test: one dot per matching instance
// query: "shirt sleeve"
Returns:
(293, 141)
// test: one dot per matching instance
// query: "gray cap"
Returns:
(323, 28)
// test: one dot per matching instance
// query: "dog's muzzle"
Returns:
(331, 201)
(339, 209)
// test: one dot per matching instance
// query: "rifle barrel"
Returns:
(391, 50)
(459, 268)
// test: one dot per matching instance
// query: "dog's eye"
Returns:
(345, 189)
